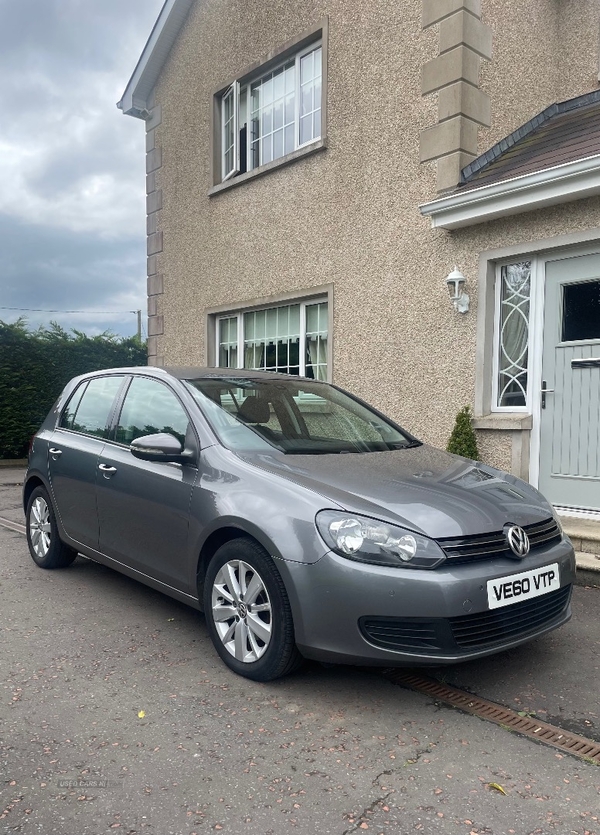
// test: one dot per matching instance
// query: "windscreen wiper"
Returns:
(406, 444)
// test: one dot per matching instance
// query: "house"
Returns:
(321, 174)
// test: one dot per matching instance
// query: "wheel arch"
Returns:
(218, 537)
(28, 488)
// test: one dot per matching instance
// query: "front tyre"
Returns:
(248, 613)
(45, 546)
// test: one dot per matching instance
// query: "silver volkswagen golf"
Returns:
(301, 521)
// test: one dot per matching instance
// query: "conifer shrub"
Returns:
(463, 440)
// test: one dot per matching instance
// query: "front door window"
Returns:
(581, 311)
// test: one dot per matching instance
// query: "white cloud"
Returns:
(71, 165)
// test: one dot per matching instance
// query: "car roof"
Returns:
(195, 373)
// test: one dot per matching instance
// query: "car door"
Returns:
(73, 450)
(143, 507)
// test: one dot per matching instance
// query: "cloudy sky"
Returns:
(72, 206)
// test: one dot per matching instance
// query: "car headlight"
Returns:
(369, 540)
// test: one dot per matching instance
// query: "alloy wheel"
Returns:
(241, 611)
(40, 527)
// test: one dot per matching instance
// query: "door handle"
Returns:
(54, 452)
(107, 470)
(545, 391)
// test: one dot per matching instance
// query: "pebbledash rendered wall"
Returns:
(348, 214)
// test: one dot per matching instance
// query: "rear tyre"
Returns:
(248, 613)
(45, 546)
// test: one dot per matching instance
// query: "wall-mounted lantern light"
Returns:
(456, 283)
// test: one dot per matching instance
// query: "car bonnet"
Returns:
(423, 489)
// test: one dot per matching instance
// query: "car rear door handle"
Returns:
(54, 452)
(107, 470)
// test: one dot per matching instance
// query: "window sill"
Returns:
(307, 151)
(503, 421)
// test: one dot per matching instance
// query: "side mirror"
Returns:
(161, 447)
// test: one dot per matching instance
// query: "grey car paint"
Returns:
(155, 521)
(74, 483)
(423, 489)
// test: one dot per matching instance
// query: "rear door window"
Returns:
(89, 413)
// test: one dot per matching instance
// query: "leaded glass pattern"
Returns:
(310, 96)
(285, 108)
(273, 108)
(514, 326)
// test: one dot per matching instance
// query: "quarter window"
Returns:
(269, 115)
(90, 412)
(513, 304)
(291, 339)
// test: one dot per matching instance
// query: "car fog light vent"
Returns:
(401, 635)
(531, 727)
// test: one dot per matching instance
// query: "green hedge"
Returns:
(34, 367)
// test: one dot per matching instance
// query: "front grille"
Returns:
(488, 546)
(498, 625)
(440, 636)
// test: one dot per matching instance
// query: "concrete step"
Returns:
(583, 533)
(585, 536)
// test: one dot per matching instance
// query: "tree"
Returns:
(463, 440)
(36, 365)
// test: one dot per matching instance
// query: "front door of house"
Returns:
(570, 401)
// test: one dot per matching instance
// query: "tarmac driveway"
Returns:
(117, 715)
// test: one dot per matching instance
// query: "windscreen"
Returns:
(295, 417)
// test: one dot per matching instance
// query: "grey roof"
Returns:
(134, 101)
(563, 132)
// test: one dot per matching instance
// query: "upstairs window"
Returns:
(268, 115)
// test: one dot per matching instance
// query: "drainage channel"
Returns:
(578, 746)
(12, 526)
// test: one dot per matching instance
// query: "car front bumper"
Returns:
(355, 613)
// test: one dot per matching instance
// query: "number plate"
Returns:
(523, 586)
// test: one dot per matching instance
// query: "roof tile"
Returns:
(563, 132)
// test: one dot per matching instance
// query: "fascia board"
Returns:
(559, 184)
(145, 75)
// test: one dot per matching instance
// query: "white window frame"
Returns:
(234, 92)
(240, 87)
(304, 303)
